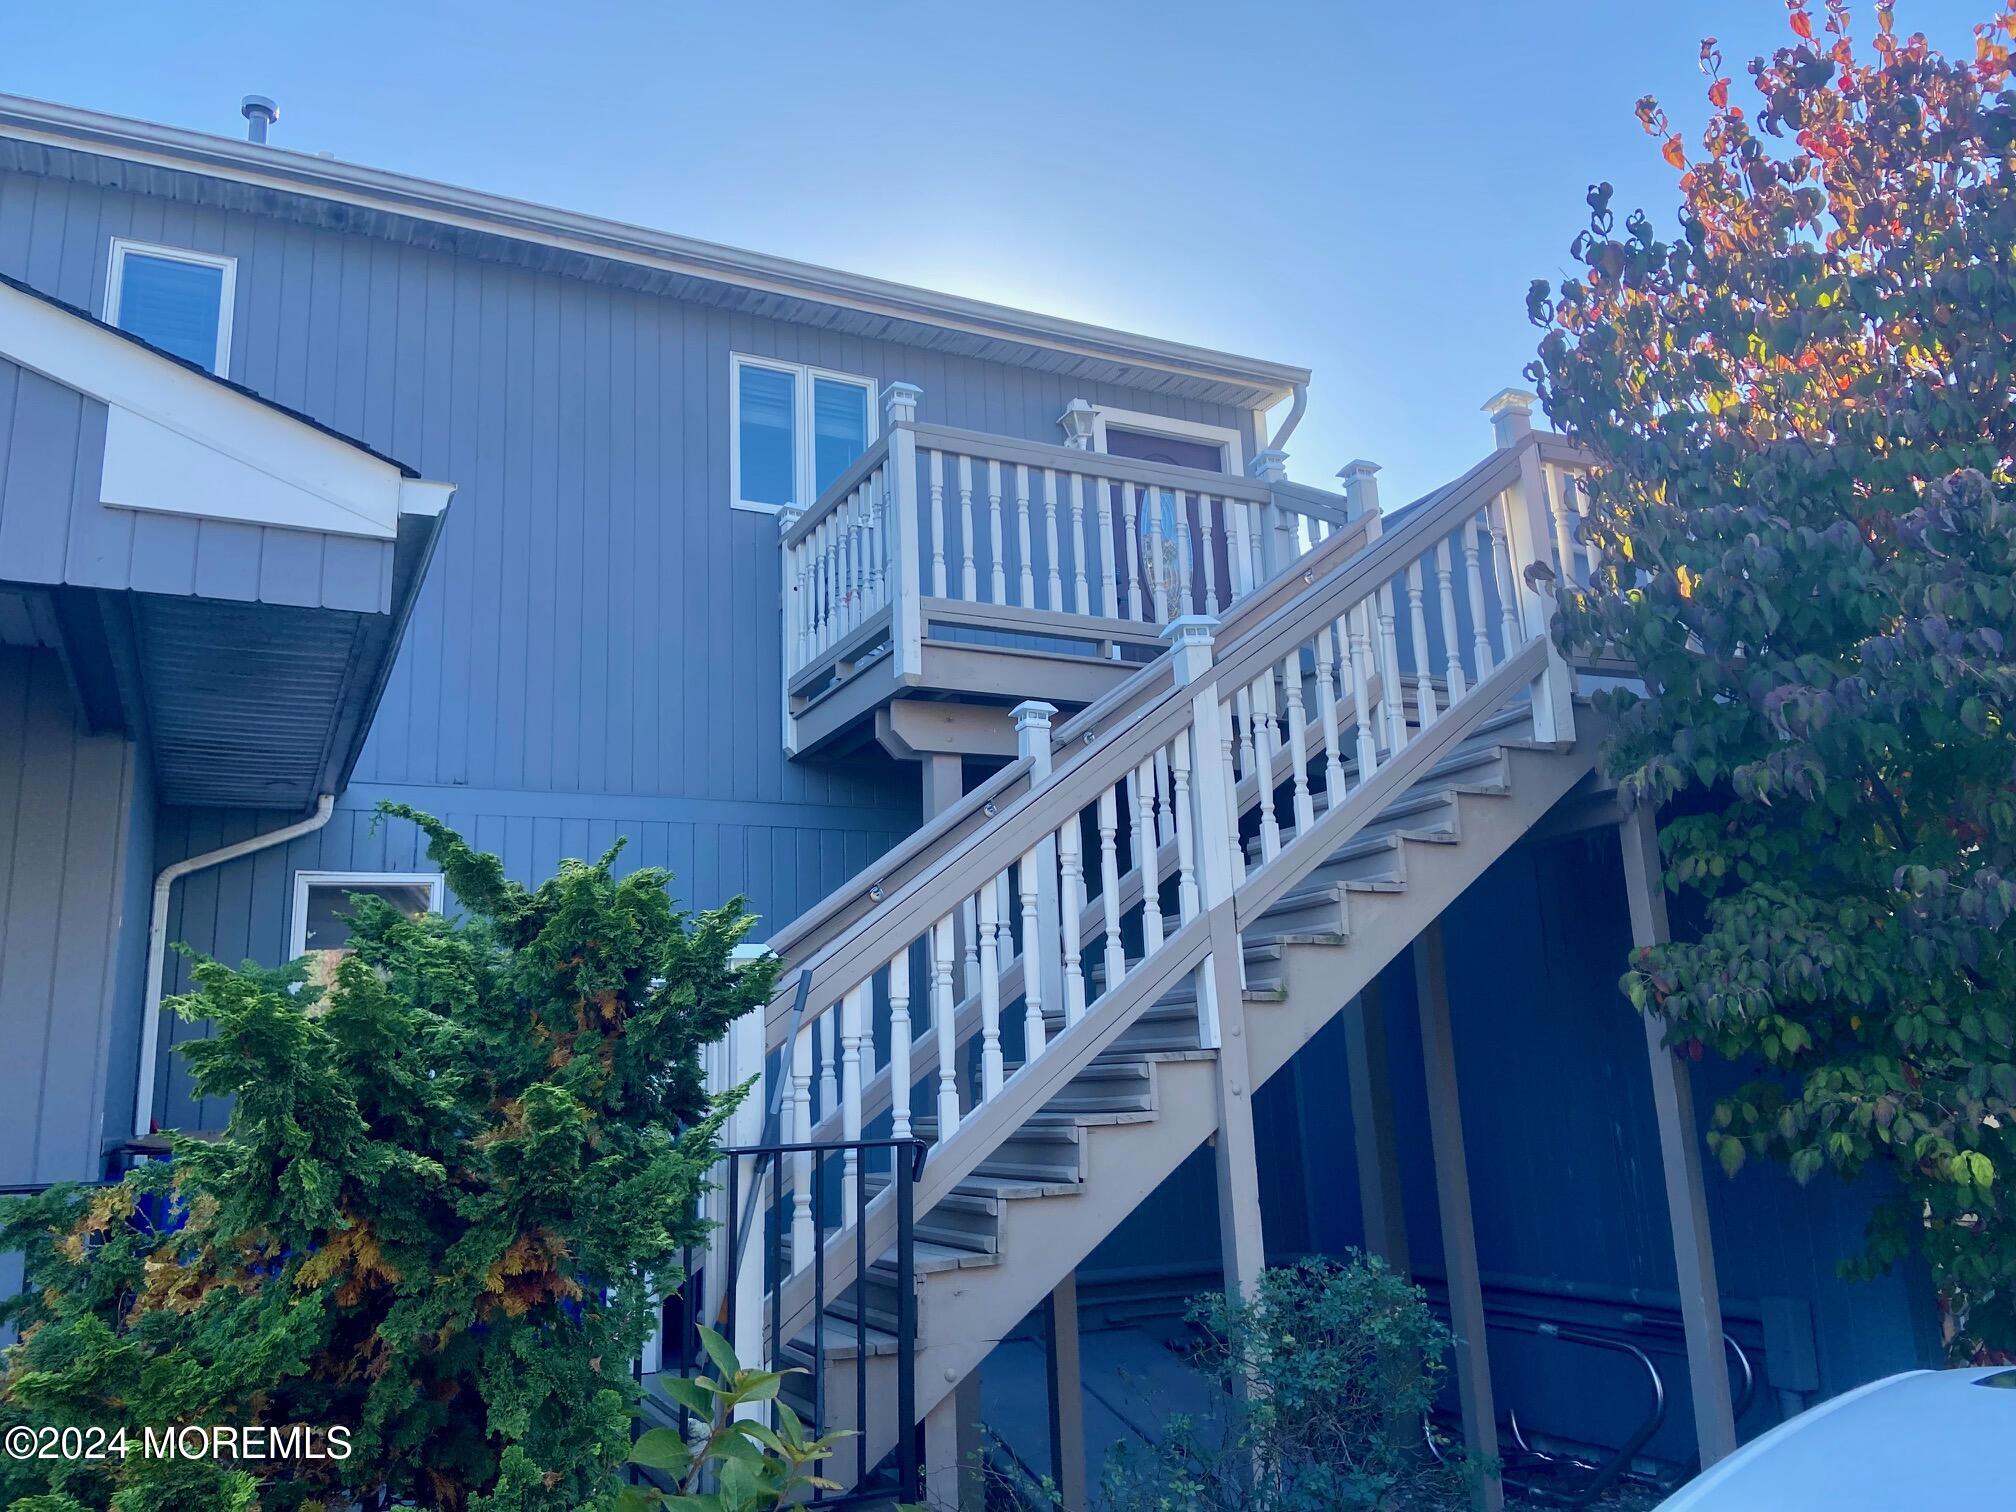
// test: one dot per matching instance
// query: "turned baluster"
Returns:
(997, 569)
(1361, 681)
(1266, 743)
(1080, 589)
(1054, 575)
(990, 990)
(1025, 562)
(937, 523)
(802, 1236)
(1394, 697)
(1130, 556)
(1071, 893)
(1417, 625)
(1186, 839)
(1298, 741)
(969, 582)
(1029, 879)
(1147, 856)
(1109, 885)
(899, 1045)
(1505, 571)
(1326, 713)
(1445, 594)
(1480, 630)
(853, 1025)
(1208, 536)
(945, 1030)
(1109, 595)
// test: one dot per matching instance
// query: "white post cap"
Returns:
(1361, 487)
(1511, 412)
(1270, 465)
(899, 402)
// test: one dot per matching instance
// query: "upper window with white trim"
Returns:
(322, 908)
(795, 429)
(174, 298)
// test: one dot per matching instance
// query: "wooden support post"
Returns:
(1372, 1139)
(1680, 1156)
(1067, 1397)
(953, 1481)
(944, 783)
(1452, 1197)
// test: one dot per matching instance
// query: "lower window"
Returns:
(321, 929)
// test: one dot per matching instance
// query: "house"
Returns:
(1215, 863)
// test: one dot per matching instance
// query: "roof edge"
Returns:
(281, 169)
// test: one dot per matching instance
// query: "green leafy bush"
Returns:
(432, 1223)
(739, 1463)
(1805, 512)
(1328, 1374)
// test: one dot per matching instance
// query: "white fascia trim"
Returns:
(297, 923)
(179, 443)
(287, 172)
(1223, 436)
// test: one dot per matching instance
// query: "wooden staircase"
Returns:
(1000, 1240)
(1082, 971)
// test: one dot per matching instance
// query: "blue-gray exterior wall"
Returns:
(597, 648)
(76, 834)
(1567, 1190)
(52, 447)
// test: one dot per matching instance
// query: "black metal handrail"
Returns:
(904, 1169)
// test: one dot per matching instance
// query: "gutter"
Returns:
(1293, 419)
(278, 169)
(157, 943)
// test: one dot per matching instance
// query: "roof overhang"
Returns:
(156, 159)
(224, 579)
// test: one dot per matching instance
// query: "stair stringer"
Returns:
(1042, 1237)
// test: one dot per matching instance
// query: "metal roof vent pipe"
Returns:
(259, 113)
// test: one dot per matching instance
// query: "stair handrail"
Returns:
(798, 940)
(1247, 623)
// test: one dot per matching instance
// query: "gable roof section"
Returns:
(180, 441)
(82, 145)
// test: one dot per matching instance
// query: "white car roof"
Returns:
(1926, 1438)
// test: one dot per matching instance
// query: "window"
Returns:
(322, 909)
(178, 300)
(795, 429)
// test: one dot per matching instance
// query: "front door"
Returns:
(1169, 553)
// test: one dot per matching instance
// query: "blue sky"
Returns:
(1362, 187)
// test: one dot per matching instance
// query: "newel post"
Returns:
(1221, 1005)
(1277, 534)
(1361, 493)
(906, 546)
(1536, 575)
(740, 1056)
(794, 603)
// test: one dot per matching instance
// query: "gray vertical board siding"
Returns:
(74, 856)
(593, 585)
(55, 529)
(1565, 1165)
(240, 911)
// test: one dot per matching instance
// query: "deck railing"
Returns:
(1096, 546)
(1023, 938)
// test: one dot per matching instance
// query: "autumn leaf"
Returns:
(1674, 152)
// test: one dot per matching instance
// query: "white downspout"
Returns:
(157, 943)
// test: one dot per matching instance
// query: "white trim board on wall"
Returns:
(1225, 437)
(115, 284)
(297, 918)
(803, 437)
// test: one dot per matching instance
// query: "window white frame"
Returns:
(227, 287)
(802, 420)
(1230, 446)
(297, 924)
